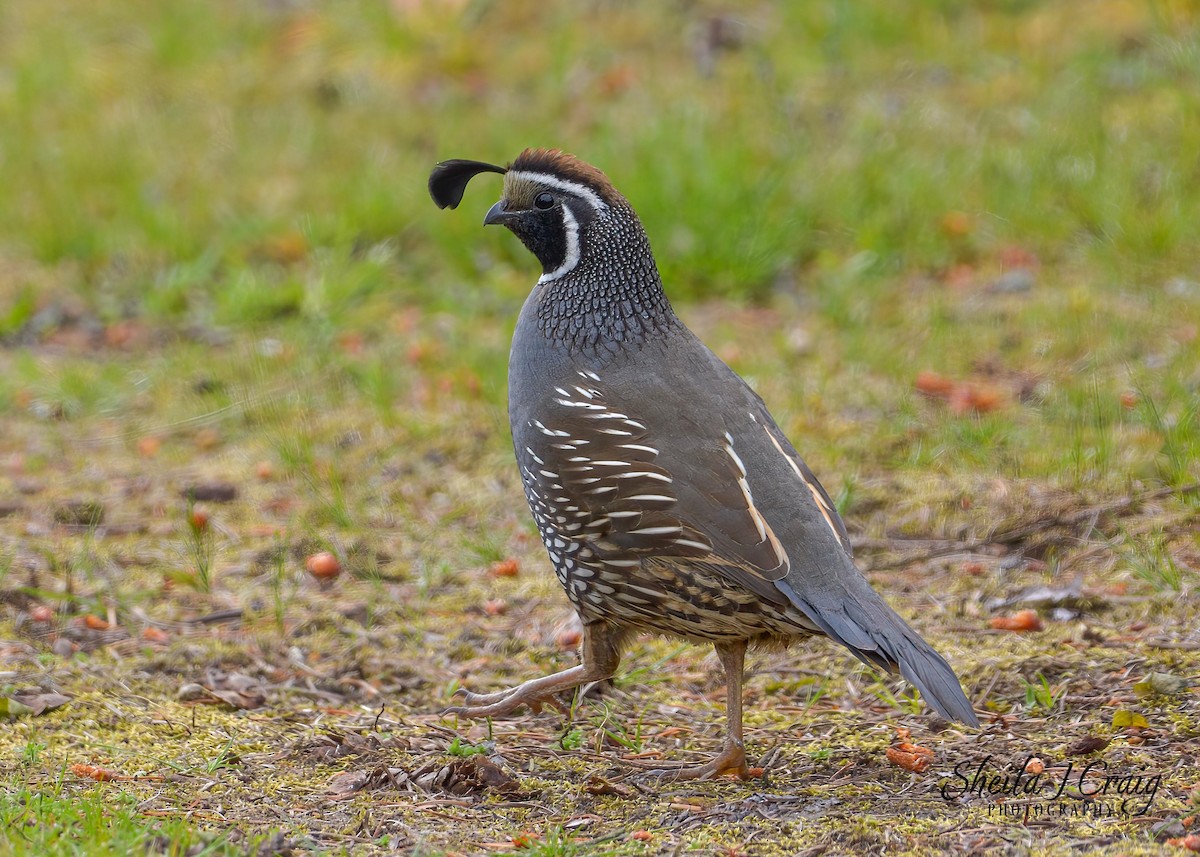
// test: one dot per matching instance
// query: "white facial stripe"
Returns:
(571, 227)
(580, 190)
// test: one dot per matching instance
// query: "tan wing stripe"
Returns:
(765, 533)
(822, 506)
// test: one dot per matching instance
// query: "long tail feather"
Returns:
(875, 634)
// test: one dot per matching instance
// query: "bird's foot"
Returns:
(504, 702)
(471, 698)
(731, 760)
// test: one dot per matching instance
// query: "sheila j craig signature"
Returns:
(1088, 790)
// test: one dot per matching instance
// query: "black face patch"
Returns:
(544, 233)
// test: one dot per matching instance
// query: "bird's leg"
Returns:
(601, 656)
(732, 758)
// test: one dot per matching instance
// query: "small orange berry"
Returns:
(155, 635)
(323, 566)
(148, 446)
(504, 568)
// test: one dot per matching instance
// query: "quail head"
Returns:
(667, 497)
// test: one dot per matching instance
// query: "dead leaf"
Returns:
(963, 397)
(617, 79)
(1123, 719)
(337, 745)
(1161, 684)
(155, 635)
(148, 446)
(126, 333)
(490, 776)
(240, 691)
(597, 785)
(959, 277)
(352, 342)
(30, 703)
(346, 783)
(211, 492)
(466, 776)
(504, 568)
(1087, 744)
(1191, 842)
(1015, 256)
(100, 775)
(95, 623)
(10, 708)
(956, 223)
(285, 249)
(934, 385)
(79, 513)
(1046, 597)
(206, 439)
(967, 398)
(910, 757)
(1021, 621)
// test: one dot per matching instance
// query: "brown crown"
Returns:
(558, 163)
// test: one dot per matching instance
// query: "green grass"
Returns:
(250, 166)
(1039, 695)
(55, 820)
(176, 157)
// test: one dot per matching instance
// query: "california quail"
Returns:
(667, 497)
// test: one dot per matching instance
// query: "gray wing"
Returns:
(630, 490)
(821, 579)
(727, 491)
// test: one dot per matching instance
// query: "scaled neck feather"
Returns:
(611, 299)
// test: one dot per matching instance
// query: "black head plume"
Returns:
(449, 179)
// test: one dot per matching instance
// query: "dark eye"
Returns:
(544, 201)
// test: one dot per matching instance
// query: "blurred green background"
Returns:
(154, 152)
(930, 186)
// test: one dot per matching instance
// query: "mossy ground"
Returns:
(220, 275)
(419, 503)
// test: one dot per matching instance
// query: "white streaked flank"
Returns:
(640, 447)
(634, 474)
(657, 531)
